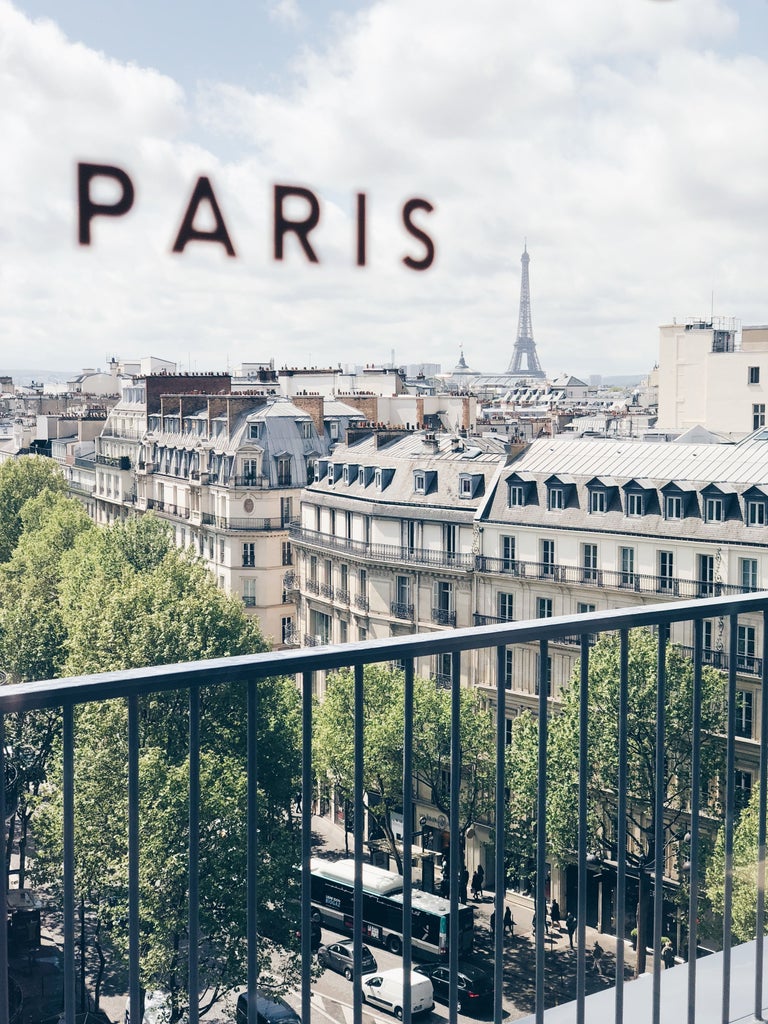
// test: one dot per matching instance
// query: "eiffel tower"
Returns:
(525, 346)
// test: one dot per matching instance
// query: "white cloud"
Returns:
(285, 12)
(618, 137)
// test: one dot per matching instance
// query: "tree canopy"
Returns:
(383, 745)
(20, 480)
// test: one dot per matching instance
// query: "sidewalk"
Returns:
(520, 951)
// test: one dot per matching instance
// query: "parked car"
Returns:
(386, 990)
(338, 956)
(475, 984)
(268, 1010)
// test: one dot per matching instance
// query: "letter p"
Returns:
(88, 209)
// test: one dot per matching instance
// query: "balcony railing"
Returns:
(739, 995)
(326, 590)
(489, 620)
(291, 581)
(612, 579)
(342, 596)
(399, 610)
(242, 523)
(312, 586)
(361, 602)
(443, 617)
(462, 560)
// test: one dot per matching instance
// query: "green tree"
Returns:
(20, 480)
(745, 864)
(383, 750)
(603, 709)
(133, 599)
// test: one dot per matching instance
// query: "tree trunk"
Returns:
(102, 965)
(643, 902)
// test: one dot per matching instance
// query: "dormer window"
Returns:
(465, 486)
(333, 430)
(555, 499)
(597, 501)
(634, 503)
(419, 481)
(306, 429)
(713, 510)
(673, 506)
(345, 475)
(378, 479)
(253, 431)
(756, 513)
(516, 495)
(361, 475)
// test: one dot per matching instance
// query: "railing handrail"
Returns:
(241, 668)
(462, 560)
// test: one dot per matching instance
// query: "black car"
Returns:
(338, 956)
(268, 1010)
(475, 984)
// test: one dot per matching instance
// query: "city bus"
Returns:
(333, 895)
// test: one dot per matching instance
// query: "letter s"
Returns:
(429, 256)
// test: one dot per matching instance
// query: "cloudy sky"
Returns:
(624, 139)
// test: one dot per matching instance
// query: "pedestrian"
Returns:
(554, 913)
(668, 954)
(570, 924)
(463, 883)
(493, 921)
(597, 958)
(533, 924)
(509, 923)
(475, 886)
(298, 802)
(480, 878)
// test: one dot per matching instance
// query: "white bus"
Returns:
(333, 895)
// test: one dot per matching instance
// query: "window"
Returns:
(706, 575)
(753, 374)
(584, 609)
(403, 590)
(507, 554)
(597, 501)
(505, 607)
(284, 471)
(253, 431)
(508, 668)
(419, 482)
(465, 486)
(666, 571)
(634, 503)
(362, 633)
(516, 495)
(543, 607)
(348, 525)
(508, 731)
(313, 568)
(286, 628)
(344, 577)
(627, 566)
(320, 626)
(589, 563)
(249, 554)
(449, 539)
(408, 535)
(250, 470)
(221, 550)
(377, 479)
(362, 582)
(443, 677)
(332, 522)
(758, 415)
(548, 675)
(755, 513)
(713, 510)
(287, 553)
(547, 558)
(556, 498)
(444, 596)
(745, 649)
(673, 506)
(744, 709)
(327, 571)
(306, 429)
(742, 789)
(249, 593)
(748, 573)
(286, 511)
(343, 631)
(317, 518)
(361, 475)
(333, 430)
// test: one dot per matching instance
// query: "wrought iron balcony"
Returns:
(312, 586)
(443, 617)
(739, 993)
(361, 602)
(326, 590)
(342, 596)
(461, 560)
(612, 579)
(291, 581)
(399, 610)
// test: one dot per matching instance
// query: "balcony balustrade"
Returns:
(326, 590)
(361, 602)
(242, 523)
(291, 581)
(342, 596)
(443, 617)
(312, 586)
(399, 610)
(739, 994)
(394, 553)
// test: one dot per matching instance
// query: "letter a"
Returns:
(203, 192)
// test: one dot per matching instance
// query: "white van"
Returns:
(385, 990)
